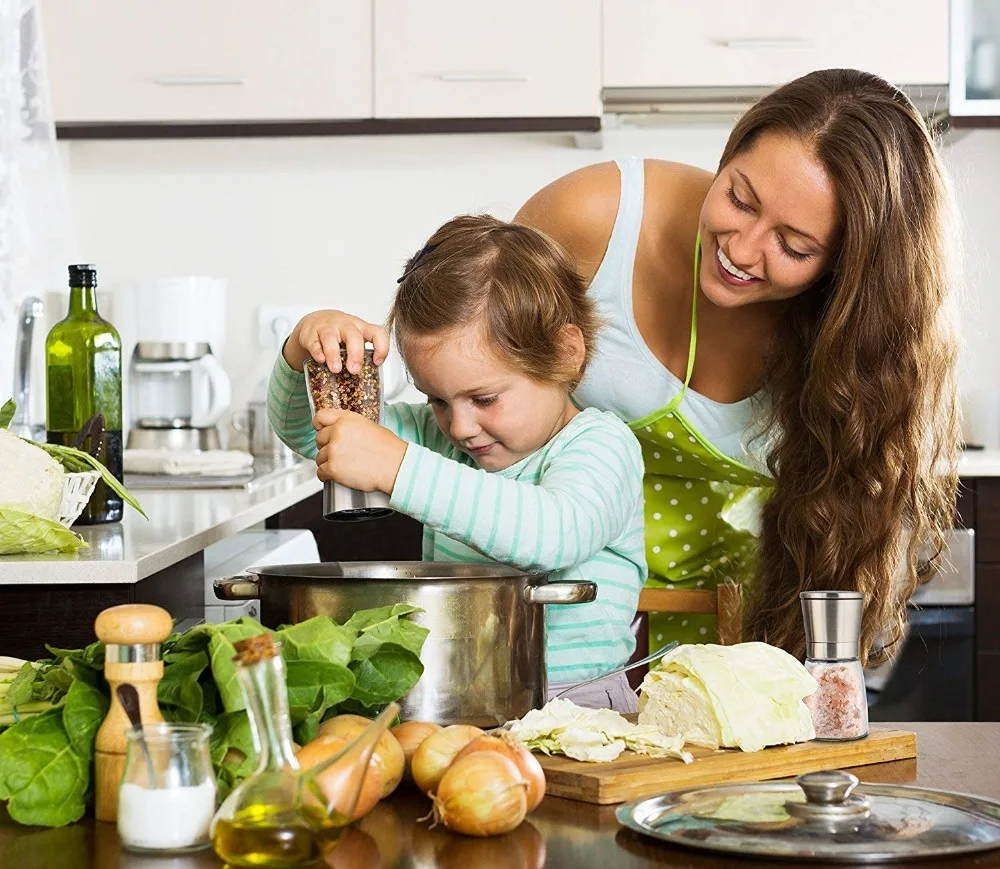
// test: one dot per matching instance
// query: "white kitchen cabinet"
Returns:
(677, 43)
(974, 94)
(208, 60)
(461, 59)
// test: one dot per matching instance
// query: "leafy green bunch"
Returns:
(46, 756)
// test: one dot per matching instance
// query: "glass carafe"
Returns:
(280, 817)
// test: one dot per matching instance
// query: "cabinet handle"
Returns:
(481, 76)
(188, 80)
(768, 42)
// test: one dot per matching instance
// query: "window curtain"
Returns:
(35, 223)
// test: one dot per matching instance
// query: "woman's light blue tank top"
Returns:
(624, 376)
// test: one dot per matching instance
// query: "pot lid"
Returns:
(821, 816)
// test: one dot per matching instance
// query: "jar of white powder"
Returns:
(167, 796)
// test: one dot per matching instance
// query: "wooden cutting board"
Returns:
(634, 776)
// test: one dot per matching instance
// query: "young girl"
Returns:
(496, 329)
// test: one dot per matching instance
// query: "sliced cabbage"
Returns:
(25, 533)
(31, 481)
(595, 735)
(745, 696)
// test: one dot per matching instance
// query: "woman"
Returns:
(777, 334)
(824, 346)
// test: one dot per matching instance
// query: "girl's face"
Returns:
(769, 224)
(484, 407)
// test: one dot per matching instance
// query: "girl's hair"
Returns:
(513, 281)
(862, 420)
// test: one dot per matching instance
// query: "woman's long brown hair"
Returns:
(861, 418)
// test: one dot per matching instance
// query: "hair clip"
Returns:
(426, 249)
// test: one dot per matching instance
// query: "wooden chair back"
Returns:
(724, 602)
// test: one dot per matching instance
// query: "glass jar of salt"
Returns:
(839, 706)
(167, 796)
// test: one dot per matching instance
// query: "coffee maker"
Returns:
(178, 389)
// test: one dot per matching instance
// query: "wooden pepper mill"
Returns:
(132, 634)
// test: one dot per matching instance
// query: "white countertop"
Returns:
(182, 522)
(979, 463)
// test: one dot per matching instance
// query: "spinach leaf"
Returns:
(366, 618)
(179, 695)
(82, 714)
(317, 639)
(20, 691)
(401, 632)
(221, 653)
(385, 676)
(43, 779)
(315, 686)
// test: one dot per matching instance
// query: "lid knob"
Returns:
(827, 788)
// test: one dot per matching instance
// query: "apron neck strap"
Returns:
(693, 343)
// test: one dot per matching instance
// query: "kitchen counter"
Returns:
(560, 834)
(979, 463)
(182, 522)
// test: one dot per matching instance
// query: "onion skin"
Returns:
(410, 734)
(435, 754)
(337, 784)
(481, 794)
(526, 763)
(388, 749)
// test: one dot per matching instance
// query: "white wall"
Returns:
(328, 222)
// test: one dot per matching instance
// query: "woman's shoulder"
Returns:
(579, 209)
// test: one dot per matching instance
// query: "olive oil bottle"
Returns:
(83, 378)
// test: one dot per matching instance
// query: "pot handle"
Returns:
(562, 592)
(244, 586)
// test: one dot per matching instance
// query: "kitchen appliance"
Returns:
(633, 776)
(262, 441)
(178, 388)
(824, 816)
(932, 675)
(484, 658)
(29, 317)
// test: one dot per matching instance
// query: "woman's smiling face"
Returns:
(769, 225)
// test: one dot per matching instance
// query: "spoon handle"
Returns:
(659, 653)
(129, 698)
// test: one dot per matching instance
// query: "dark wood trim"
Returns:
(359, 127)
(966, 503)
(971, 122)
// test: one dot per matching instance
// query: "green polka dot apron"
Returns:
(702, 509)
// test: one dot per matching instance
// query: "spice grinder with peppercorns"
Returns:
(839, 706)
(359, 393)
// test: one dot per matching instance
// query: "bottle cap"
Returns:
(832, 621)
(83, 275)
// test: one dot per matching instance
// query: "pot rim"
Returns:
(395, 571)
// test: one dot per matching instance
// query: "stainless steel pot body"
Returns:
(484, 658)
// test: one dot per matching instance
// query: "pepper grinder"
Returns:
(832, 621)
(132, 634)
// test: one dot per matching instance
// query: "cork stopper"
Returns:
(133, 624)
(252, 650)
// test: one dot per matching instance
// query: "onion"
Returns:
(388, 750)
(436, 753)
(410, 734)
(481, 794)
(527, 764)
(339, 782)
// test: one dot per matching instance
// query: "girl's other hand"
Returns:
(355, 452)
(320, 334)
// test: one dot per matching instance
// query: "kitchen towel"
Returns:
(174, 462)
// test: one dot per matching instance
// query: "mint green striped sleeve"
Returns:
(585, 497)
(288, 408)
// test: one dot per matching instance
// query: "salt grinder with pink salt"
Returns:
(839, 705)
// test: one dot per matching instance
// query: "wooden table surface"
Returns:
(561, 834)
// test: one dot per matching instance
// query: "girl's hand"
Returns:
(355, 452)
(320, 334)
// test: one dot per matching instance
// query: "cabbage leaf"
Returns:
(22, 532)
(746, 696)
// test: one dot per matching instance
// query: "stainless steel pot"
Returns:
(484, 658)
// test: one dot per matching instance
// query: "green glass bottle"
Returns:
(83, 377)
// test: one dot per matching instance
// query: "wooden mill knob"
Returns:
(133, 624)
(127, 626)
